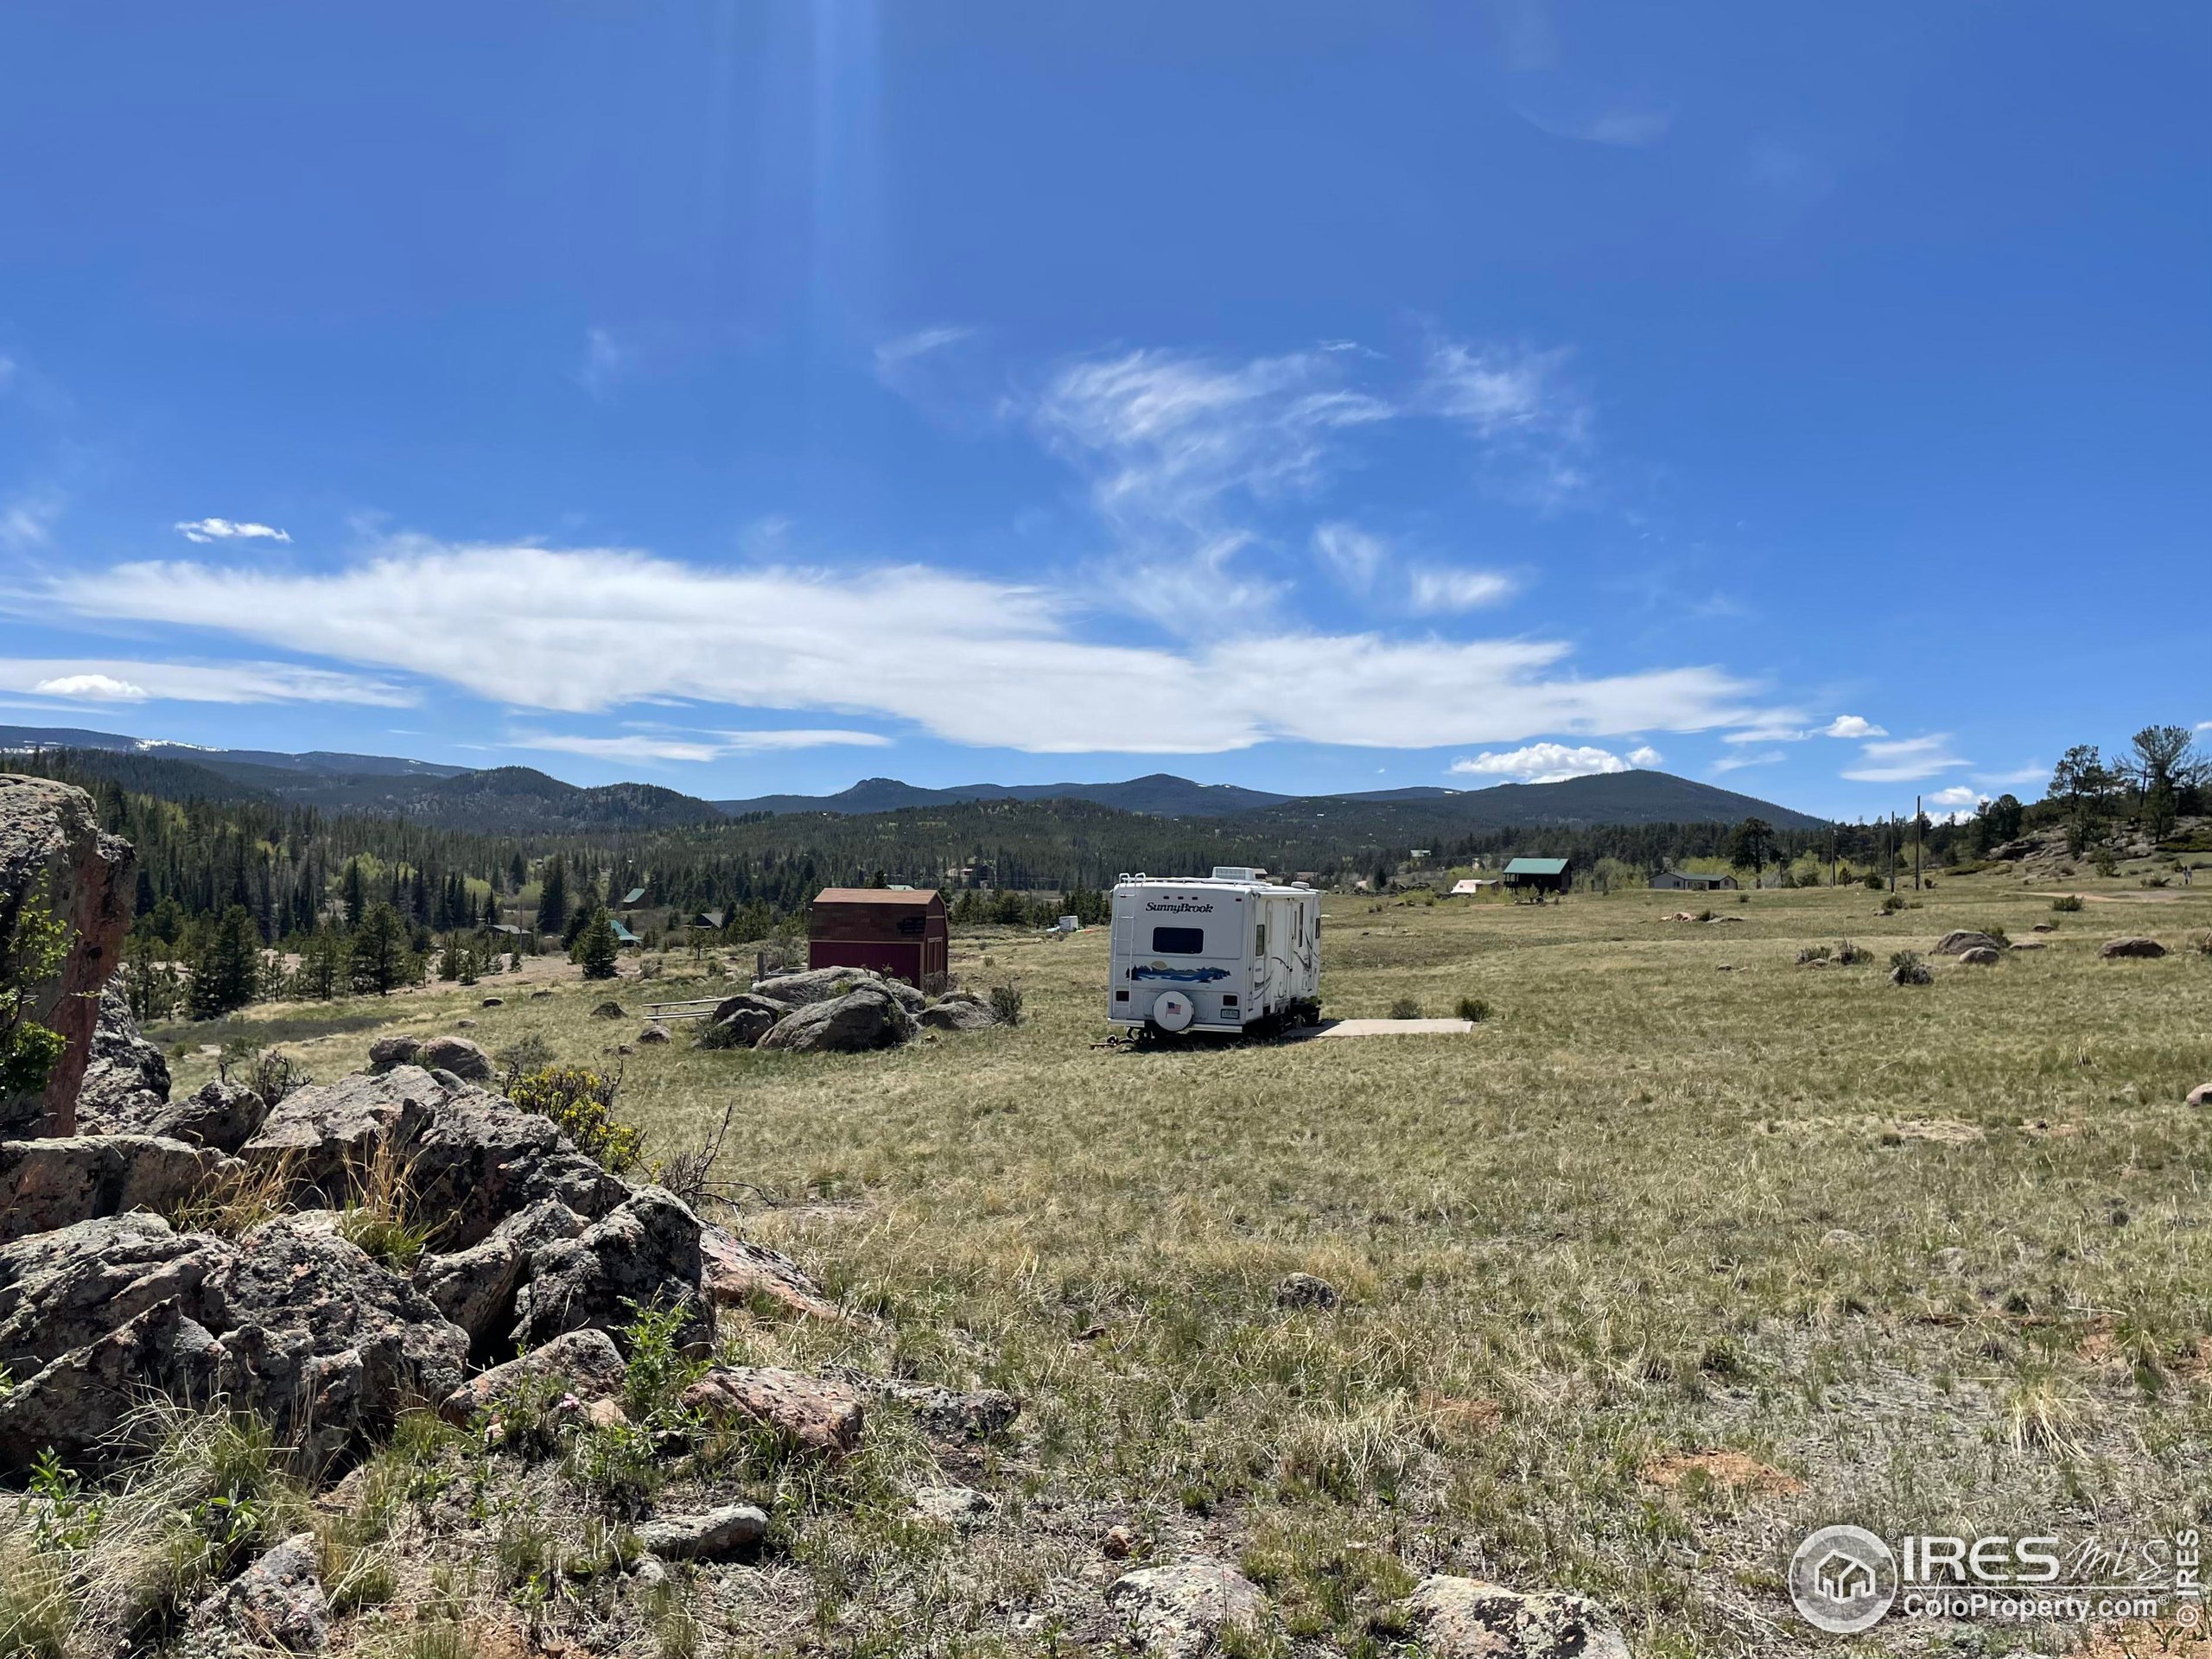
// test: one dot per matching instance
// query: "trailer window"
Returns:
(1260, 940)
(1178, 941)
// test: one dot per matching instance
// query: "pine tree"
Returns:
(595, 946)
(553, 898)
(380, 951)
(226, 972)
(355, 899)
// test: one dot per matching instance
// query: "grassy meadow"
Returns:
(1685, 1250)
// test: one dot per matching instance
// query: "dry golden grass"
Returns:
(1647, 1211)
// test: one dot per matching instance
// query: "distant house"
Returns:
(714, 919)
(633, 898)
(1540, 876)
(899, 931)
(1692, 882)
(1473, 885)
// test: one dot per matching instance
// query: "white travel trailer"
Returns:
(1228, 952)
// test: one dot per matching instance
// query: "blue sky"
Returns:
(762, 396)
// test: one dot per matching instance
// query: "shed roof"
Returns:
(907, 897)
(633, 895)
(1537, 867)
(624, 934)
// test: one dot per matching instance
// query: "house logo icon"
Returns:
(1843, 1580)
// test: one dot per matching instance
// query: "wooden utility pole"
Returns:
(1916, 843)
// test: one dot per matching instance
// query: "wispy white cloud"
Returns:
(1356, 556)
(1542, 763)
(27, 520)
(1628, 126)
(691, 745)
(1780, 726)
(95, 681)
(893, 356)
(227, 530)
(1902, 760)
(1738, 762)
(971, 660)
(1437, 590)
(2033, 772)
(1645, 756)
(1851, 726)
(1532, 425)
(607, 360)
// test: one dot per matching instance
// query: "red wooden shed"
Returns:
(897, 932)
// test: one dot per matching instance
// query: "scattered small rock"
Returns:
(279, 1598)
(2115, 948)
(1466, 1618)
(655, 1032)
(587, 1360)
(1305, 1290)
(2044, 927)
(1980, 955)
(541, 996)
(708, 1536)
(1120, 1542)
(953, 1505)
(946, 1413)
(609, 1010)
(819, 1414)
(1182, 1610)
(2200, 1096)
(493, 1002)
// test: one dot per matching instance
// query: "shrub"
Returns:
(582, 1104)
(269, 1072)
(2067, 903)
(2201, 944)
(1848, 955)
(2003, 938)
(1907, 968)
(1472, 1008)
(1405, 1008)
(1006, 1002)
(1872, 881)
(1812, 953)
(1893, 904)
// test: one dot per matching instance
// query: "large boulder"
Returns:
(395, 1048)
(126, 1079)
(1961, 940)
(866, 1018)
(87, 1405)
(475, 1288)
(221, 1114)
(457, 1055)
(827, 984)
(65, 1289)
(1980, 955)
(473, 1158)
(49, 1183)
(587, 1363)
(814, 1413)
(1466, 1618)
(741, 1021)
(958, 1013)
(644, 1252)
(1187, 1608)
(53, 849)
(327, 1343)
(2114, 948)
(738, 1273)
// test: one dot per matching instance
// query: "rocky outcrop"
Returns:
(811, 1412)
(475, 1288)
(868, 1018)
(53, 850)
(399, 1048)
(126, 1079)
(474, 1157)
(1185, 1609)
(587, 1363)
(323, 1341)
(1981, 956)
(82, 1405)
(2114, 949)
(947, 1413)
(1466, 1618)
(45, 1185)
(221, 1114)
(643, 1253)
(65, 1289)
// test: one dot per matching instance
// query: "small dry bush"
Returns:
(582, 1103)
